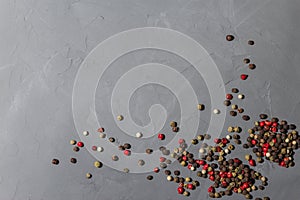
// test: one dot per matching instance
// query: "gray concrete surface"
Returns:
(43, 44)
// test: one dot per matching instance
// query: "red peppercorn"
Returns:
(127, 152)
(162, 159)
(245, 185)
(80, 144)
(217, 140)
(211, 173)
(211, 189)
(286, 159)
(262, 123)
(282, 164)
(218, 149)
(254, 142)
(244, 76)
(180, 141)
(229, 175)
(235, 190)
(274, 129)
(224, 183)
(252, 162)
(274, 124)
(229, 96)
(184, 158)
(266, 145)
(212, 178)
(224, 141)
(268, 123)
(189, 166)
(190, 186)
(205, 167)
(236, 160)
(156, 170)
(161, 136)
(201, 162)
(180, 190)
(265, 149)
(274, 140)
(94, 148)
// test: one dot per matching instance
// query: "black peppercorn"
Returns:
(176, 172)
(251, 66)
(167, 172)
(127, 146)
(111, 139)
(149, 177)
(73, 160)
(233, 113)
(246, 117)
(246, 60)
(234, 90)
(76, 149)
(229, 37)
(149, 151)
(250, 42)
(55, 161)
(263, 116)
(227, 102)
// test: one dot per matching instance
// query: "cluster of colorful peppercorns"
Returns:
(269, 139)
(231, 175)
(273, 140)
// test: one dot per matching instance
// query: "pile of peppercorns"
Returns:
(273, 140)
(229, 174)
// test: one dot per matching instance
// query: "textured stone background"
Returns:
(43, 43)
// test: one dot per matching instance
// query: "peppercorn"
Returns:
(141, 162)
(126, 170)
(237, 141)
(246, 117)
(216, 111)
(230, 129)
(173, 124)
(150, 177)
(149, 151)
(250, 42)
(55, 161)
(207, 136)
(170, 178)
(201, 107)
(233, 113)
(229, 37)
(127, 146)
(73, 160)
(72, 142)
(101, 130)
(251, 66)
(111, 139)
(80, 144)
(115, 158)
(175, 129)
(200, 137)
(76, 149)
(194, 141)
(227, 102)
(120, 117)
(244, 76)
(240, 110)
(246, 60)
(98, 164)
(88, 175)
(163, 165)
